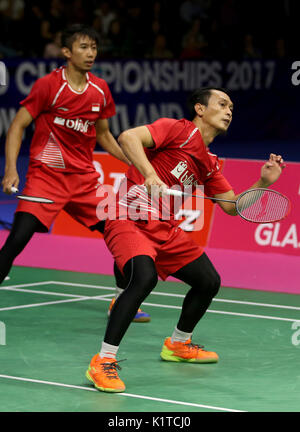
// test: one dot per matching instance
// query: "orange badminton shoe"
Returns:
(103, 373)
(140, 316)
(186, 352)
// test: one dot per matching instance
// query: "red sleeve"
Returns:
(163, 132)
(38, 99)
(216, 184)
(110, 109)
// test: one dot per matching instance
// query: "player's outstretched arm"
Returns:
(271, 170)
(108, 142)
(133, 142)
(270, 173)
(12, 148)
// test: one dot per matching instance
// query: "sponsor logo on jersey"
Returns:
(179, 169)
(183, 175)
(77, 124)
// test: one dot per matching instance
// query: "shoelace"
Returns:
(110, 369)
(192, 346)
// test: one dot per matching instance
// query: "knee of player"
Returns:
(149, 280)
(212, 285)
(145, 283)
(215, 284)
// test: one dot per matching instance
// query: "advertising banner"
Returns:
(279, 237)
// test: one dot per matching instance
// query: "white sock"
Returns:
(180, 336)
(118, 292)
(108, 350)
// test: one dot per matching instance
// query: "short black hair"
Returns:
(201, 95)
(71, 33)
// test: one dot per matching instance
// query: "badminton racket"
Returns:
(31, 198)
(258, 205)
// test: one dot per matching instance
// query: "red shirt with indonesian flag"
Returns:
(65, 133)
(179, 157)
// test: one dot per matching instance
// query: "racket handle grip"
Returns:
(14, 189)
(174, 192)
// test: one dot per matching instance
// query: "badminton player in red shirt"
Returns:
(70, 108)
(165, 153)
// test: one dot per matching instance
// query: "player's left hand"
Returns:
(272, 169)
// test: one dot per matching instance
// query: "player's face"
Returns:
(218, 112)
(84, 52)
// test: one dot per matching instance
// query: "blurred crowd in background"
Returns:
(165, 29)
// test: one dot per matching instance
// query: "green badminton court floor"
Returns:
(52, 323)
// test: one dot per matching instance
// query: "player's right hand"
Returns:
(155, 186)
(11, 178)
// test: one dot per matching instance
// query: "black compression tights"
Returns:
(23, 228)
(205, 282)
(141, 278)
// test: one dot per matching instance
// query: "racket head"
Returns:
(35, 199)
(262, 205)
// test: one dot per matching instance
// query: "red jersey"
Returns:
(65, 133)
(179, 157)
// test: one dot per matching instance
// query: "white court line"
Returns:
(181, 296)
(103, 298)
(27, 285)
(228, 313)
(79, 298)
(55, 302)
(234, 301)
(53, 293)
(257, 304)
(120, 394)
(102, 287)
(83, 285)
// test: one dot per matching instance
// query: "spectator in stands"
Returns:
(194, 42)
(250, 51)
(223, 25)
(11, 22)
(280, 48)
(77, 12)
(115, 40)
(229, 28)
(53, 49)
(12, 9)
(159, 49)
(106, 15)
(53, 21)
(191, 9)
(135, 38)
(34, 14)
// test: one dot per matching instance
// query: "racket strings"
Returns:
(262, 206)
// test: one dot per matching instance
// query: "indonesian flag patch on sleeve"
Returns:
(95, 107)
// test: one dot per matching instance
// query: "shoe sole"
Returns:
(104, 389)
(141, 320)
(168, 356)
(137, 320)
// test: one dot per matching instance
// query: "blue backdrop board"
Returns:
(265, 95)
